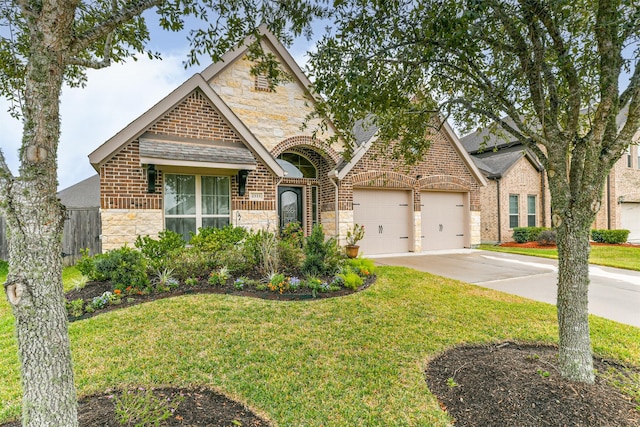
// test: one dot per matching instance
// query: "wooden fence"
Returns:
(81, 230)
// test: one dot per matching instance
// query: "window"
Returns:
(513, 210)
(194, 201)
(531, 211)
(314, 205)
(629, 158)
(297, 166)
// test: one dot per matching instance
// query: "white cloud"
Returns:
(112, 99)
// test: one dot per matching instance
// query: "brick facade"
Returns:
(523, 180)
(274, 119)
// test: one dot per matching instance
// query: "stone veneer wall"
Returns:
(272, 116)
(255, 220)
(123, 226)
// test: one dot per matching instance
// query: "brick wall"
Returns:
(523, 180)
(442, 169)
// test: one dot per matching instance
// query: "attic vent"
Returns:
(262, 83)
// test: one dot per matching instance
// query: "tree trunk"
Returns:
(575, 357)
(35, 222)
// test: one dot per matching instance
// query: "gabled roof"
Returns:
(84, 194)
(497, 165)
(363, 130)
(136, 128)
(241, 49)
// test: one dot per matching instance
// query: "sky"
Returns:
(112, 98)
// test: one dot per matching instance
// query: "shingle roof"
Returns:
(211, 153)
(84, 194)
(497, 164)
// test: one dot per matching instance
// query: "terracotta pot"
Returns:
(352, 250)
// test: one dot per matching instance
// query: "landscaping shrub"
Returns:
(190, 263)
(213, 240)
(527, 234)
(87, 267)
(293, 234)
(123, 267)
(322, 257)
(610, 236)
(290, 256)
(158, 251)
(363, 266)
(351, 280)
(547, 237)
(261, 250)
(235, 260)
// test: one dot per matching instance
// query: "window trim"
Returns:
(198, 199)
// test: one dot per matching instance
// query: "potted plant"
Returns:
(354, 235)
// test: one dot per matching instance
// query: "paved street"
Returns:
(613, 293)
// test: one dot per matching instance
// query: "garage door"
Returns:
(443, 220)
(386, 216)
(630, 220)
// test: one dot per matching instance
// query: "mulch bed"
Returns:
(197, 407)
(95, 289)
(518, 385)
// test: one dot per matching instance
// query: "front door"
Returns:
(290, 205)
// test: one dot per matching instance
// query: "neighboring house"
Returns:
(621, 201)
(518, 195)
(225, 149)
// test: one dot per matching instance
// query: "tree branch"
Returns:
(5, 172)
(84, 40)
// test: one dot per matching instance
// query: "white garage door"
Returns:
(630, 220)
(386, 216)
(443, 220)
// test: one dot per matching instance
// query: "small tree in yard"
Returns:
(44, 43)
(547, 73)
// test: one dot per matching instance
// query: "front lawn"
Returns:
(357, 360)
(618, 256)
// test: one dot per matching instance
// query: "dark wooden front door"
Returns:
(289, 205)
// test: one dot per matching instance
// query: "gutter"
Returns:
(497, 178)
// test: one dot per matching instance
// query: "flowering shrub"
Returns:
(278, 283)
(294, 283)
(240, 282)
(219, 278)
(355, 234)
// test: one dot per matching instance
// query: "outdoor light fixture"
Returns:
(152, 173)
(242, 181)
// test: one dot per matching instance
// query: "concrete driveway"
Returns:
(613, 293)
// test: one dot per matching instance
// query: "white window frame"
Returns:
(533, 214)
(198, 196)
(515, 214)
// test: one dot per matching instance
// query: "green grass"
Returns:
(351, 361)
(627, 257)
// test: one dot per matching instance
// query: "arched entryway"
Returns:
(305, 194)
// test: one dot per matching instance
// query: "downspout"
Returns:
(609, 202)
(543, 197)
(497, 178)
